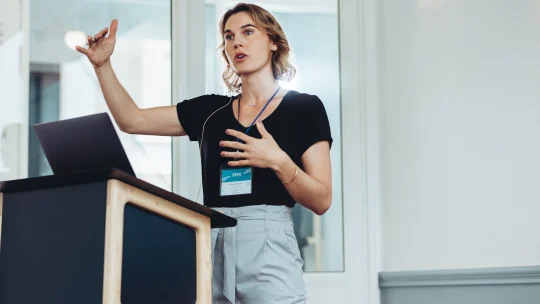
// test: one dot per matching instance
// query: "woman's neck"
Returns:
(257, 90)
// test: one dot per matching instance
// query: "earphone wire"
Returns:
(202, 137)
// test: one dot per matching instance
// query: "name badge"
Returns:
(236, 180)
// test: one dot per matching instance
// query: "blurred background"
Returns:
(434, 107)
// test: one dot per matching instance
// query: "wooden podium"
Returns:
(103, 237)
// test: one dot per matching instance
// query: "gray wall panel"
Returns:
(519, 285)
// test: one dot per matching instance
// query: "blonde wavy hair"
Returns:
(281, 67)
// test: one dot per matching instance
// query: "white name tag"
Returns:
(236, 180)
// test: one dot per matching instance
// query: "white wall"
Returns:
(460, 131)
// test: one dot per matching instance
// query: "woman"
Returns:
(252, 171)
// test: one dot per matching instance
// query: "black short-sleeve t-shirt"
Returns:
(298, 122)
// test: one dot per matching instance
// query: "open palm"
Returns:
(100, 48)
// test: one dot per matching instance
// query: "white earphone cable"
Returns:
(202, 137)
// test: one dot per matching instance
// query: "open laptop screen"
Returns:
(86, 143)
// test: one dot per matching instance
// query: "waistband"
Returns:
(266, 213)
(254, 212)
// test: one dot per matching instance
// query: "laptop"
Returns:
(86, 143)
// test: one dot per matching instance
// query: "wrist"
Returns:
(106, 64)
(282, 167)
(279, 164)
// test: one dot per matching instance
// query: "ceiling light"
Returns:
(74, 38)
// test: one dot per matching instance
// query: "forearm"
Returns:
(304, 189)
(122, 107)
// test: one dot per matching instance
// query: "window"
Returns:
(62, 82)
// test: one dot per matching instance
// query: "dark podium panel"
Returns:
(171, 248)
(103, 237)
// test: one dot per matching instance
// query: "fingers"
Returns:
(81, 50)
(262, 129)
(233, 144)
(97, 37)
(234, 154)
(245, 138)
(100, 35)
(240, 163)
(89, 41)
(92, 40)
(114, 27)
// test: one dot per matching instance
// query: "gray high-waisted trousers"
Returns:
(257, 261)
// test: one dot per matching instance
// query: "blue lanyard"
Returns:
(237, 139)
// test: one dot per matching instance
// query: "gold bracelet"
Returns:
(295, 174)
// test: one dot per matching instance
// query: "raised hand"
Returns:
(100, 48)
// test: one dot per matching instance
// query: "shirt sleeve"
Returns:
(314, 125)
(192, 113)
